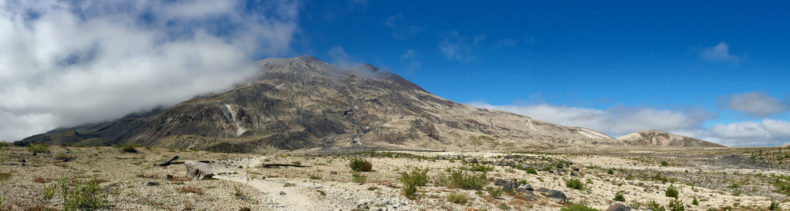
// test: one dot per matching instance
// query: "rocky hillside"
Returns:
(664, 139)
(304, 103)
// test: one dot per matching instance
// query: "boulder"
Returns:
(499, 182)
(555, 194)
(618, 207)
(198, 170)
(508, 186)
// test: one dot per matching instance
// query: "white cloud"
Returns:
(614, 121)
(455, 46)
(768, 132)
(618, 121)
(720, 52)
(400, 29)
(64, 63)
(756, 104)
(409, 58)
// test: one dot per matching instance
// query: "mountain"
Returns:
(304, 103)
(664, 139)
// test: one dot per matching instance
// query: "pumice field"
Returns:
(59, 177)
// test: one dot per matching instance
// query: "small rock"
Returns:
(499, 182)
(149, 183)
(332, 172)
(508, 186)
(524, 188)
(529, 196)
(263, 177)
(169, 176)
(282, 193)
(22, 160)
(555, 194)
(472, 160)
(575, 168)
(618, 207)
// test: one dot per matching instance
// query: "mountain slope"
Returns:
(302, 103)
(661, 138)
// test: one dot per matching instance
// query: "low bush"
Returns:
(38, 148)
(676, 205)
(358, 178)
(463, 180)
(671, 192)
(654, 206)
(129, 148)
(531, 170)
(458, 198)
(87, 196)
(574, 183)
(359, 164)
(619, 196)
(578, 207)
(774, 205)
(417, 177)
(494, 192)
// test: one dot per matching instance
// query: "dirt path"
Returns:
(278, 197)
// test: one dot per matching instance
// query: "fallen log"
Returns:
(169, 162)
(274, 165)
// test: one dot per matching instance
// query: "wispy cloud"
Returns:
(400, 29)
(719, 52)
(409, 58)
(64, 63)
(756, 104)
(455, 46)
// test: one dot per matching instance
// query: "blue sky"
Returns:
(664, 55)
(714, 70)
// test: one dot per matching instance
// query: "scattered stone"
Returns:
(169, 177)
(558, 195)
(472, 160)
(149, 183)
(618, 207)
(499, 182)
(575, 168)
(282, 193)
(332, 172)
(198, 170)
(508, 186)
(525, 188)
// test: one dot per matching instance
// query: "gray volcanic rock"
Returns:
(661, 138)
(304, 103)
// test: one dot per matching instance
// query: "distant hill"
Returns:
(664, 139)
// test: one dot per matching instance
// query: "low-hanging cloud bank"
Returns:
(64, 63)
(618, 121)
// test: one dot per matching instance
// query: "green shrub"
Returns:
(676, 205)
(664, 163)
(494, 192)
(409, 191)
(358, 178)
(695, 202)
(49, 191)
(736, 193)
(578, 207)
(3, 144)
(458, 198)
(2, 201)
(619, 196)
(574, 183)
(735, 185)
(417, 177)
(88, 196)
(38, 148)
(531, 170)
(654, 206)
(129, 148)
(773, 206)
(481, 168)
(460, 179)
(671, 192)
(610, 171)
(359, 164)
